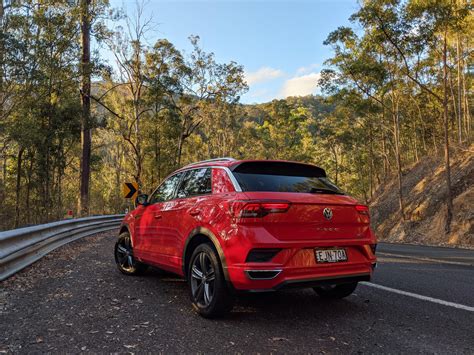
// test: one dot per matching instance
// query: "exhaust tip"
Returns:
(262, 274)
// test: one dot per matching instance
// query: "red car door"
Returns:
(149, 224)
(146, 231)
(181, 215)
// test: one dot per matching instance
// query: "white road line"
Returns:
(424, 259)
(420, 297)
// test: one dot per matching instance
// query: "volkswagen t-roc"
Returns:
(251, 225)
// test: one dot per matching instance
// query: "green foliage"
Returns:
(158, 108)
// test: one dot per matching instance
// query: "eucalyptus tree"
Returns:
(164, 71)
(417, 29)
(362, 64)
(205, 82)
(123, 91)
(92, 16)
(40, 125)
(86, 133)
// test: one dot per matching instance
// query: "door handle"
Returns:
(194, 212)
(157, 216)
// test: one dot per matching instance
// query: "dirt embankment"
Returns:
(424, 191)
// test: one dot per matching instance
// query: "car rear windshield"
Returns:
(284, 177)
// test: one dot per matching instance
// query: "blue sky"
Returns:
(279, 43)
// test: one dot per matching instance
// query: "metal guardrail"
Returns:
(22, 247)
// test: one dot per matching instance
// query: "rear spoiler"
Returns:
(268, 167)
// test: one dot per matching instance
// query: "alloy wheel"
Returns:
(202, 279)
(125, 255)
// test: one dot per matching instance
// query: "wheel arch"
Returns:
(198, 236)
(124, 229)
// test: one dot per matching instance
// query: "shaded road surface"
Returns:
(75, 300)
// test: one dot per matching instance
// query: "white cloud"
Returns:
(301, 85)
(307, 69)
(263, 74)
(256, 94)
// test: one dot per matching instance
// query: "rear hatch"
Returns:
(299, 202)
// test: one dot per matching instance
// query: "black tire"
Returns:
(124, 259)
(336, 291)
(208, 289)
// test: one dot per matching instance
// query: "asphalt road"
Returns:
(74, 300)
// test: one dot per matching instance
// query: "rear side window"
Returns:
(284, 177)
(196, 182)
(166, 190)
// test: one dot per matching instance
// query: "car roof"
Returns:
(232, 163)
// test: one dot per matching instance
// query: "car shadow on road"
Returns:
(300, 304)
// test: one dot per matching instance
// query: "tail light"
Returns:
(363, 212)
(258, 209)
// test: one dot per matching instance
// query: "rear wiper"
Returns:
(318, 190)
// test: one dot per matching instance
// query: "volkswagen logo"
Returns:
(327, 213)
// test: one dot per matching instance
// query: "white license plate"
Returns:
(330, 255)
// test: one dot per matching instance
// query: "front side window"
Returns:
(196, 182)
(166, 190)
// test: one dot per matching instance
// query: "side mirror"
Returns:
(142, 200)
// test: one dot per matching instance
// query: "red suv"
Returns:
(250, 225)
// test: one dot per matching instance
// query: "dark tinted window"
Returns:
(279, 168)
(196, 182)
(166, 190)
(284, 177)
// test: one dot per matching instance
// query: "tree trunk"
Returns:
(459, 96)
(449, 197)
(18, 186)
(455, 107)
(371, 162)
(386, 164)
(396, 137)
(4, 170)
(182, 137)
(336, 163)
(2, 54)
(86, 109)
(156, 153)
(467, 113)
(60, 171)
(415, 141)
(28, 187)
(138, 151)
(435, 146)
(180, 149)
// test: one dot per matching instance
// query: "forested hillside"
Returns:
(426, 199)
(397, 93)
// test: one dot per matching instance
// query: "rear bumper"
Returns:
(294, 277)
(295, 263)
(289, 284)
(296, 267)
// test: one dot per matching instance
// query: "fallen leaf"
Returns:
(279, 339)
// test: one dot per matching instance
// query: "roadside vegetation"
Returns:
(397, 92)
